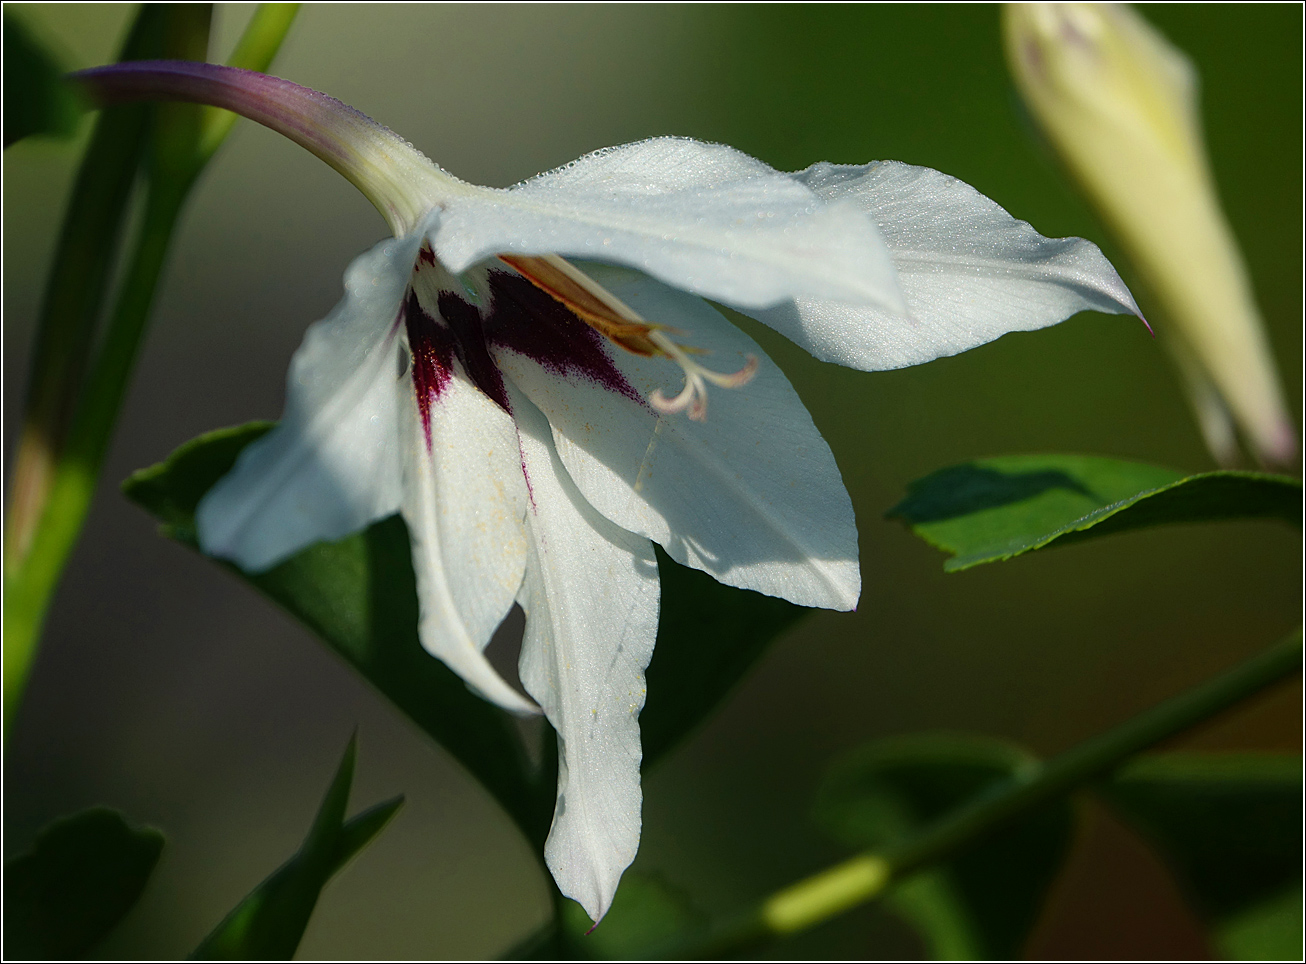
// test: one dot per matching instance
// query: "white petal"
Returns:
(970, 272)
(752, 495)
(332, 465)
(702, 217)
(591, 601)
(464, 499)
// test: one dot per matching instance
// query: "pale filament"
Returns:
(620, 324)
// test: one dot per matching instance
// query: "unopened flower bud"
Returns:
(1119, 104)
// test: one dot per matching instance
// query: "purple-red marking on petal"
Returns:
(465, 323)
(432, 347)
(528, 321)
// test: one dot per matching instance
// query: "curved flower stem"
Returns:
(400, 181)
(72, 462)
(254, 51)
(868, 875)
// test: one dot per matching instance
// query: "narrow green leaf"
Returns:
(708, 637)
(37, 100)
(270, 922)
(360, 596)
(983, 903)
(1230, 828)
(993, 509)
(80, 879)
(87, 249)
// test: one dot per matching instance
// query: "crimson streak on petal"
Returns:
(464, 321)
(432, 346)
(530, 322)
(521, 318)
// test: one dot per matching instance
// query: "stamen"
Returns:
(589, 300)
(616, 321)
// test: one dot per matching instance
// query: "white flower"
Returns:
(514, 407)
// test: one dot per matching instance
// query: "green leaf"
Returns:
(359, 594)
(270, 922)
(649, 919)
(993, 509)
(708, 637)
(983, 903)
(171, 490)
(80, 879)
(37, 99)
(1270, 931)
(1229, 827)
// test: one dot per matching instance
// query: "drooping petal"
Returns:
(970, 272)
(751, 495)
(702, 217)
(464, 501)
(591, 601)
(332, 465)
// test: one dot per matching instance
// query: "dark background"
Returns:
(168, 690)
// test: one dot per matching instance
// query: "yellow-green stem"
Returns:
(868, 875)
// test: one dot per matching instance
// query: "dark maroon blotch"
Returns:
(532, 323)
(468, 330)
(432, 347)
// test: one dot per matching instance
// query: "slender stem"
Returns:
(868, 875)
(401, 182)
(88, 244)
(258, 45)
(72, 469)
(28, 589)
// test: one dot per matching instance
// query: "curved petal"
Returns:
(332, 465)
(591, 601)
(702, 217)
(752, 495)
(464, 501)
(970, 272)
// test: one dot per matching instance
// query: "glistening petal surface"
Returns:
(702, 217)
(752, 495)
(591, 601)
(970, 272)
(332, 465)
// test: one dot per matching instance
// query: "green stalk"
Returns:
(28, 590)
(84, 256)
(183, 141)
(868, 875)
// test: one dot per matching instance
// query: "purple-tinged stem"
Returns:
(398, 179)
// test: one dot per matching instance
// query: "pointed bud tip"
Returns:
(1279, 447)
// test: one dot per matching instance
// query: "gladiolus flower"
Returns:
(534, 379)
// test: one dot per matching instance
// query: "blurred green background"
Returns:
(168, 690)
